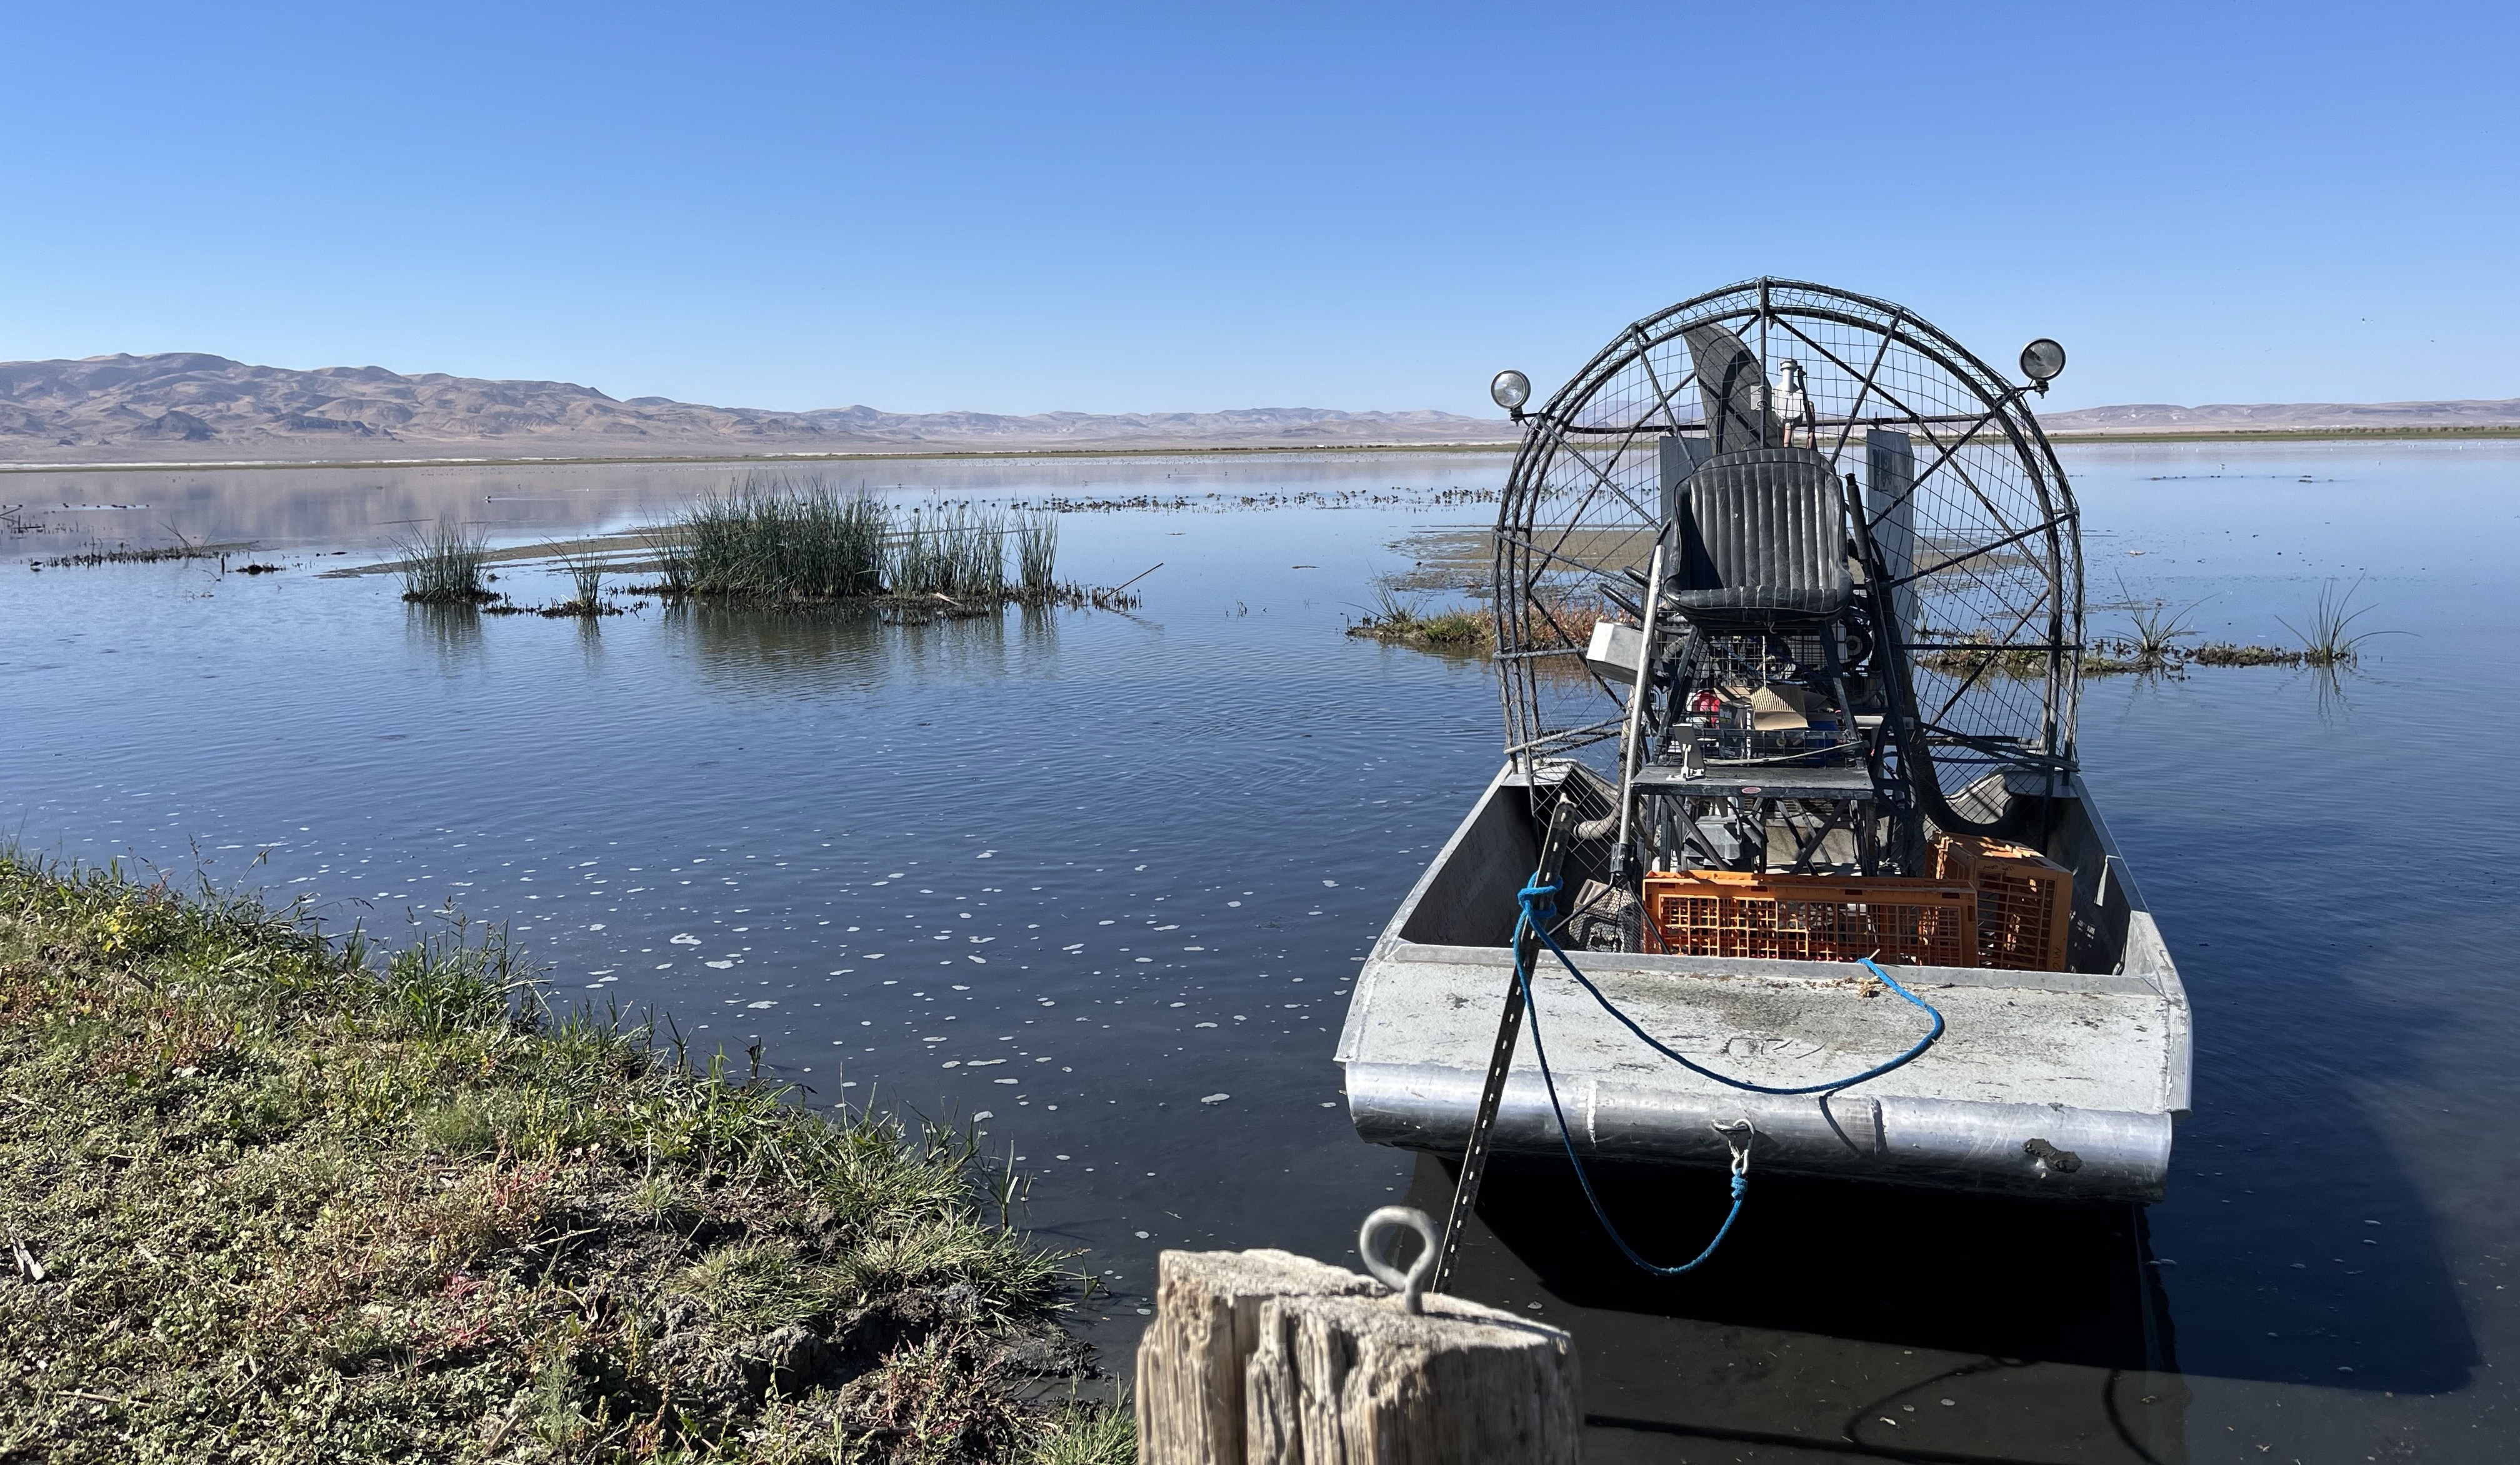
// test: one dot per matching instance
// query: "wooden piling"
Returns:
(1270, 1358)
(1207, 1325)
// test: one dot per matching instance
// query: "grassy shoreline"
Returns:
(272, 1195)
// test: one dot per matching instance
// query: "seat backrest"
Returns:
(1761, 541)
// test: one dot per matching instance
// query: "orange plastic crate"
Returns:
(1722, 912)
(2025, 901)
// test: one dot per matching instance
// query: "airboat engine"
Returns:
(1782, 619)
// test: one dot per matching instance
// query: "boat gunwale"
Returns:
(2144, 966)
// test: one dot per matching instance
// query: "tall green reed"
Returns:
(2329, 639)
(956, 550)
(1037, 554)
(778, 539)
(444, 564)
(586, 575)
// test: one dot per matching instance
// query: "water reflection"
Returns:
(451, 634)
(1839, 1319)
(364, 507)
(775, 648)
(789, 650)
(1039, 631)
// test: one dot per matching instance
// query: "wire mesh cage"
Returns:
(1973, 540)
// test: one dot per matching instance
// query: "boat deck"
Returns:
(2059, 1084)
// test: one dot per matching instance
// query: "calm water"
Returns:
(1103, 879)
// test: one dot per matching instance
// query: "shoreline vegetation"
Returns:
(2064, 438)
(274, 1195)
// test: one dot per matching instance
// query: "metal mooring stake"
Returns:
(1474, 1159)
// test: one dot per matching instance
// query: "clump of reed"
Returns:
(957, 552)
(586, 573)
(2158, 630)
(586, 579)
(1037, 554)
(1397, 619)
(2327, 643)
(443, 566)
(2330, 640)
(778, 540)
(2153, 643)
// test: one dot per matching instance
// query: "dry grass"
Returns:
(289, 1198)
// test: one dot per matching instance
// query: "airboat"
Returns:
(1788, 603)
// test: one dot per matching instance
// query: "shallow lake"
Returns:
(1096, 881)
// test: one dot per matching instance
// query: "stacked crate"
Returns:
(1714, 913)
(2025, 901)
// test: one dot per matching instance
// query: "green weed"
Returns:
(309, 1198)
(443, 566)
(2330, 641)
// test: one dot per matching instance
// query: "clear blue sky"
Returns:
(1024, 208)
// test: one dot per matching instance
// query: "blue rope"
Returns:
(1533, 920)
(1531, 893)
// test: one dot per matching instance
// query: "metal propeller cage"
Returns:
(1981, 545)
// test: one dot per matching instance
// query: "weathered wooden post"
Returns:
(1269, 1358)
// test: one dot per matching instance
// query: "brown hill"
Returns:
(2282, 417)
(188, 408)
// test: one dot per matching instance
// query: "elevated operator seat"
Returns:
(1761, 544)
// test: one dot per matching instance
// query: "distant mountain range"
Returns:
(2282, 417)
(186, 408)
(196, 409)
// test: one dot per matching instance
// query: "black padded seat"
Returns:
(1762, 543)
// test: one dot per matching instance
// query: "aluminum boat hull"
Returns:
(2063, 1085)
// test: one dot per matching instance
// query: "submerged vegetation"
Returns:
(123, 553)
(276, 1197)
(443, 566)
(1969, 665)
(1399, 620)
(2328, 643)
(586, 570)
